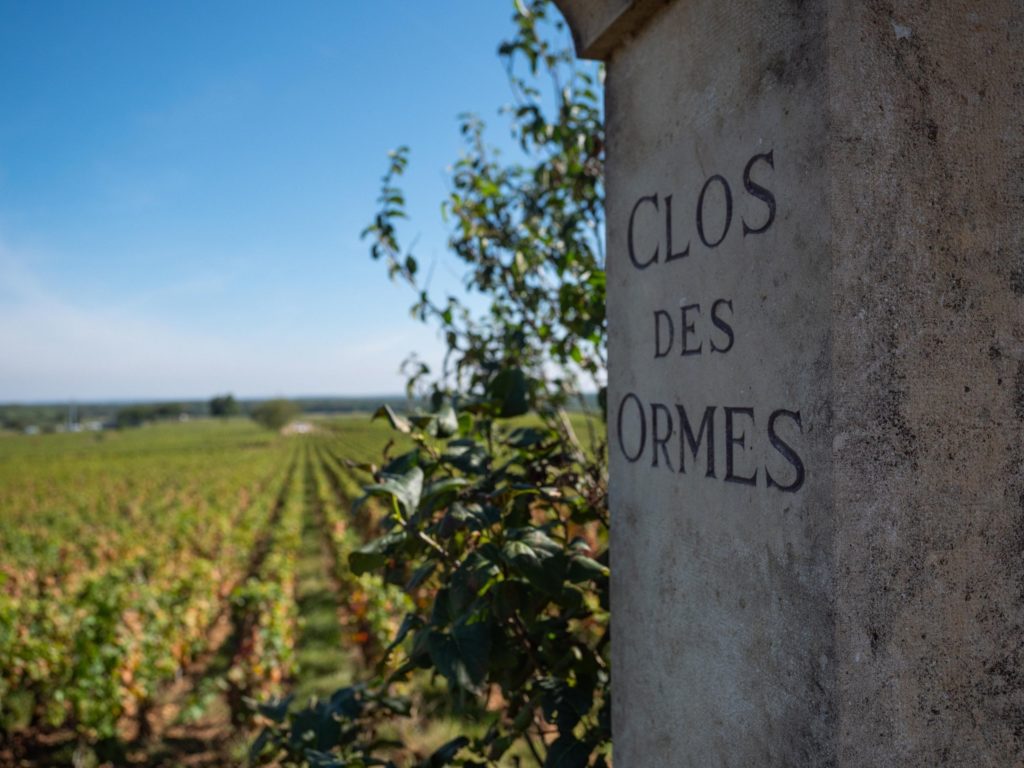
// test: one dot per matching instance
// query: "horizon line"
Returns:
(143, 400)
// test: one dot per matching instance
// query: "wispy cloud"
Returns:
(57, 347)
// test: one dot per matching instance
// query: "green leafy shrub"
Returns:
(496, 520)
(274, 414)
(224, 406)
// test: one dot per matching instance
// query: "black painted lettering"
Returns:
(643, 427)
(670, 256)
(686, 438)
(685, 329)
(732, 440)
(660, 351)
(659, 441)
(721, 325)
(787, 452)
(762, 194)
(728, 211)
(653, 200)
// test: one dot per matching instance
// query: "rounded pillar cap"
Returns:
(600, 26)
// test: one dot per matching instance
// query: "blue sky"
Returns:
(183, 184)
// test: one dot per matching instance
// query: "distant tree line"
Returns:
(224, 406)
(137, 415)
(50, 417)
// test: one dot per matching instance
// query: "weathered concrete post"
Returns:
(816, 402)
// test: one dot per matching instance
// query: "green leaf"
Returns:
(472, 516)
(567, 752)
(467, 455)
(527, 437)
(425, 422)
(317, 727)
(564, 704)
(419, 576)
(534, 555)
(405, 488)
(347, 702)
(409, 623)
(260, 744)
(472, 639)
(402, 464)
(487, 188)
(365, 562)
(276, 709)
(318, 759)
(582, 568)
(468, 580)
(375, 554)
(446, 754)
(510, 391)
(447, 421)
(442, 492)
(537, 539)
(462, 655)
(395, 705)
(398, 422)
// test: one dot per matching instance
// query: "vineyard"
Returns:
(156, 584)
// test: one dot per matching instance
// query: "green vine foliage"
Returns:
(497, 520)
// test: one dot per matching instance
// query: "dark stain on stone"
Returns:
(956, 296)
(1017, 281)
(1018, 393)
(929, 128)
(1000, 689)
(792, 66)
(1015, 547)
(798, 61)
(903, 440)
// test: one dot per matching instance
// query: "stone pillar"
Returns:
(816, 381)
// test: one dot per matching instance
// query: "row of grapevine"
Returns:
(263, 610)
(117, 557)
(372, 609)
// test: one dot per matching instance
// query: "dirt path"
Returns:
(324, 656)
